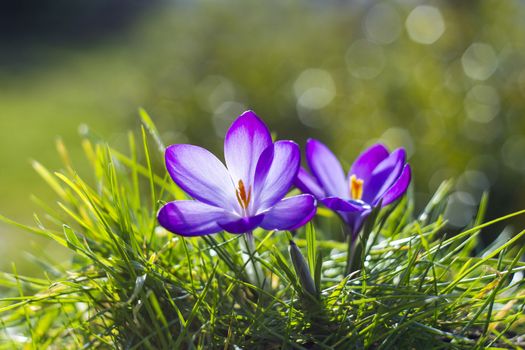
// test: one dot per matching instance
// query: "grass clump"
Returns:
(132, 285)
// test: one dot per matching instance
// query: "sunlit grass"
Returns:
(130, 284)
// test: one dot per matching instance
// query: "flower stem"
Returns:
(355, 250)
(249, 254)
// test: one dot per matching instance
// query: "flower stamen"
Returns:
(243, 197)
(356, 187)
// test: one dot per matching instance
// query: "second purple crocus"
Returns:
(376, 176)
(246, 193)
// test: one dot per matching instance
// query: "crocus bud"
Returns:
(301, 269)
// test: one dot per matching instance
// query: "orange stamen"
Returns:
(356, 187)
(243, 197)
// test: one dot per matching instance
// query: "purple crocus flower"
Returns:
(376, 176)
(246, 193)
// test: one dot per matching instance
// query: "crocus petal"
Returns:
(308, 184)
(367, 161)
(290, 213)
(263, 167)
(355, 220)
(192, 218)
(398, 188)
(338, 204)
(326, 168)
(384, 175)
(276, 171)
(246, 139)
(201, 175)
(241, 224)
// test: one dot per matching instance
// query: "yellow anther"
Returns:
(356, 187)
(243, 197)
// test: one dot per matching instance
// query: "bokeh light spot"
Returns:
(365, 60)
(314, 88)
(482, 103)
(479, 61)
(513, 153)
(474, 182)
(382, 24)
(425, 24)
(461, 208)
(225, 114)
(398, 137)
(213, 90)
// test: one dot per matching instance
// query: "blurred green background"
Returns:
(445, 79)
